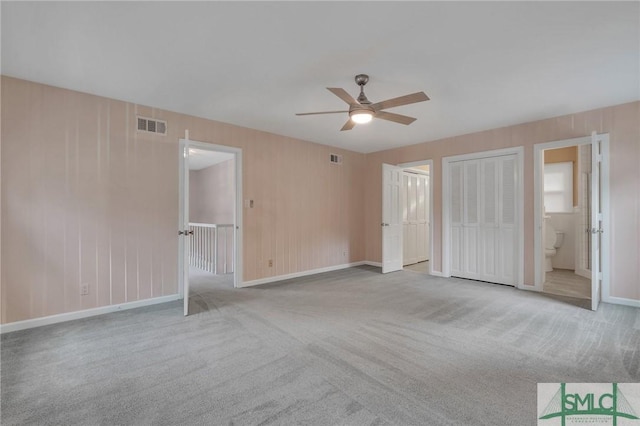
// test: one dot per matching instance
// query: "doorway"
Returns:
(571, 219)
(209, 222)
(407, 210)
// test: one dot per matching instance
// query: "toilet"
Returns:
(552, 241)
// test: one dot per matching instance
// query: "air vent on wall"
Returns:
(152, 125)
(335, 158)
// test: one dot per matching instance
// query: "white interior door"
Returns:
(391, 218)
(596, 221)
(183, 226)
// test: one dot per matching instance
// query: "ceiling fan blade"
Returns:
(342, 94)
(350, 124)
(396, 118)
(323, 112)
(402, 100)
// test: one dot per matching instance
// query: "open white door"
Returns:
(596, 221)
(183, 226)
(391, 218)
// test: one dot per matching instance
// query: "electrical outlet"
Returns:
(270, 263)
(344, 254)
(84, 289)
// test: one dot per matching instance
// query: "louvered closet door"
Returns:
(489, 226)
(410, 230)
(507, 220)
(483, 213)
(415, 218)
(471, 219)
(456, 171)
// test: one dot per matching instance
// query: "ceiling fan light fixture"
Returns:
(361, 117)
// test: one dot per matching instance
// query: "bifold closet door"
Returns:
(415, 218)
(483, 228)
(409, 216)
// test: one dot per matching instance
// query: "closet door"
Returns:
(456, 173)
(409, 240)
(489, 223)
(507, 219)
(422, 218)
(483, 219)
(471, 220)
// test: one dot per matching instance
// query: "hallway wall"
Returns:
(212, 193)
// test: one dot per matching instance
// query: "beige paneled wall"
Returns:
(621, 122)
(88, 199)
(212, 193)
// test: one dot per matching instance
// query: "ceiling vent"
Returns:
(151, 125)
(335, 158)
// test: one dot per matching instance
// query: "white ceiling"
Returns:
(256, 64)
(202, 158)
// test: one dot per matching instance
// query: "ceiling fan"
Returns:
(361, 110)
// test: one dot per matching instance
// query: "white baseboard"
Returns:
(371, 263)
(437, 274)
(54, 319)
(276, 278)
(622, 301)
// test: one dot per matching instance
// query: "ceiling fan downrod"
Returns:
(361, 80)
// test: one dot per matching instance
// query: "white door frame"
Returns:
(446, 214)
(538, 187)
(430, 174)
(237, 258)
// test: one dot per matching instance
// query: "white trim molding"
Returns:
(621, 301)
(277, 278)
(69, 316)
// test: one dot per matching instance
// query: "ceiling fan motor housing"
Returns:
(362, 79)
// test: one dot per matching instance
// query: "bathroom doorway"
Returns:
(571, 220)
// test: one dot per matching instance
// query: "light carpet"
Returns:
(347, 347)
